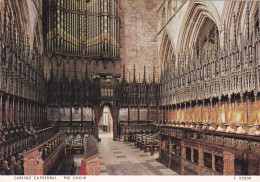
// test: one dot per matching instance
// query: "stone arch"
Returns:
(20, 12)
(167, 52)
(37, 34)
(238, 10)
(197, 14)
(114, 109)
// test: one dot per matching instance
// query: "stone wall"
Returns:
(138, 36)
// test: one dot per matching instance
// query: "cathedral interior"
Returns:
(123, 87)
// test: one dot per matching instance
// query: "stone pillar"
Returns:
(228, 159)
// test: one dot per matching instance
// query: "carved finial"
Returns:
(134, 78)
(144, 75)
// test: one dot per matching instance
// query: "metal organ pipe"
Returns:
(81, 27)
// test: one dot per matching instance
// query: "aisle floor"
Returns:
(124, 158)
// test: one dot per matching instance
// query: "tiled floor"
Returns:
(123, 158)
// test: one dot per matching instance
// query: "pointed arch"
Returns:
(195, 20)
(238, 10)
(167, 52)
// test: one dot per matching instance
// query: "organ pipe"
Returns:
(82, 27)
